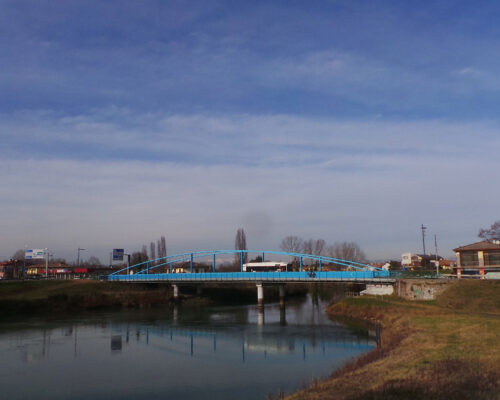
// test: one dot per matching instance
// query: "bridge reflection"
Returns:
(257, 340)
(237, 332)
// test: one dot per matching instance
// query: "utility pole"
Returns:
(46, 264)
(423, 236)
(437, 259)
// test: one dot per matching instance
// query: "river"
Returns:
(186, 352)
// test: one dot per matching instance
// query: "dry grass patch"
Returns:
(427, 351)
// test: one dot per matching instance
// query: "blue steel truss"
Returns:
(349, 270)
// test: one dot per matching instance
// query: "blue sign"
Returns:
(30, 254)
(118, 254)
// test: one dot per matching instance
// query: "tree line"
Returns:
(157, 249)
(295, 244)
(318, 247)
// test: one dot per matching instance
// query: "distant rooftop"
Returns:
(478, 246)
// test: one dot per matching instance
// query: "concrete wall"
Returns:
(378, 290)
(420, 289)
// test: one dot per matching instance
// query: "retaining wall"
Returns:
(420, 289)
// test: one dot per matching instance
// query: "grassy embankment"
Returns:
(444, 349)
(72, 295)
(30, 297)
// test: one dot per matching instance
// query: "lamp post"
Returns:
(78, 257)
(24, 262)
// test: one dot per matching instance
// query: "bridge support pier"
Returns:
(176, 292)
(260, 317)
(260, 295)
(282, 316)
(282, 295)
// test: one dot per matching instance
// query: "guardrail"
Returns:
(351, 276)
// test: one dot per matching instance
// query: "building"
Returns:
(411, 260)
(478, 258)
(3, 267)
(185, 268)
(447, 264)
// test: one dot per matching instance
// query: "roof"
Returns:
(429, 256)
(483, 245)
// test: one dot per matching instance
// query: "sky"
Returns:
(122, 121)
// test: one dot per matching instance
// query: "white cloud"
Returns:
(373, 182)
(246, 139)
(99, 204)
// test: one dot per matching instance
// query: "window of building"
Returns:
(492, 258)
(469, 259)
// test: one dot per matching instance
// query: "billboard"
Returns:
(118, 254)
(34, 254)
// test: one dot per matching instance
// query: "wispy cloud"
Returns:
(120, 121)
(368, 181)
(261, 140)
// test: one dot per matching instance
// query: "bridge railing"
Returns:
(256, 276)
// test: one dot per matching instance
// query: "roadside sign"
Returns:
(34, 254)
(118, 254)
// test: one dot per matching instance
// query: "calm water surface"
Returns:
(182, 353)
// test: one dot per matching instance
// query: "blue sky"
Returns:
(121, 121)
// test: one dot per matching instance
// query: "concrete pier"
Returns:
(176, 292)
(282, 316)
(175, 314)
(260, 295)
(260, 316)
(282, 295)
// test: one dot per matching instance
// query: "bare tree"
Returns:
(347, 251)
(493, 233)
(308, 246)
(292, 244)
(92, 261)
(240, 243)
(138, 257)
(319, 247)
(163, 246)
(314, 246)
(152, 250)
(19, 255)
(18, 259)
(144, 252)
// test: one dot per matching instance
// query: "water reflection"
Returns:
(219, 352)
(116, 343)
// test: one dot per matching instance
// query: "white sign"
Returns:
(34, 253)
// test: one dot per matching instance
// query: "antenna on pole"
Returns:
(423, 236)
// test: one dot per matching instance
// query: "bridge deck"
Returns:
(330, 276)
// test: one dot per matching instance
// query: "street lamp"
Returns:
(46, 263)
(78, 258)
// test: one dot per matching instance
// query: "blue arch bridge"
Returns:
(186, 268)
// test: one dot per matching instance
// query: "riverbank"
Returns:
(443, 349)
(34, 297)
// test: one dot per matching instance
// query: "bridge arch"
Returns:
(149, 266)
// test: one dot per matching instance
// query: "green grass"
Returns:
(473, 296)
